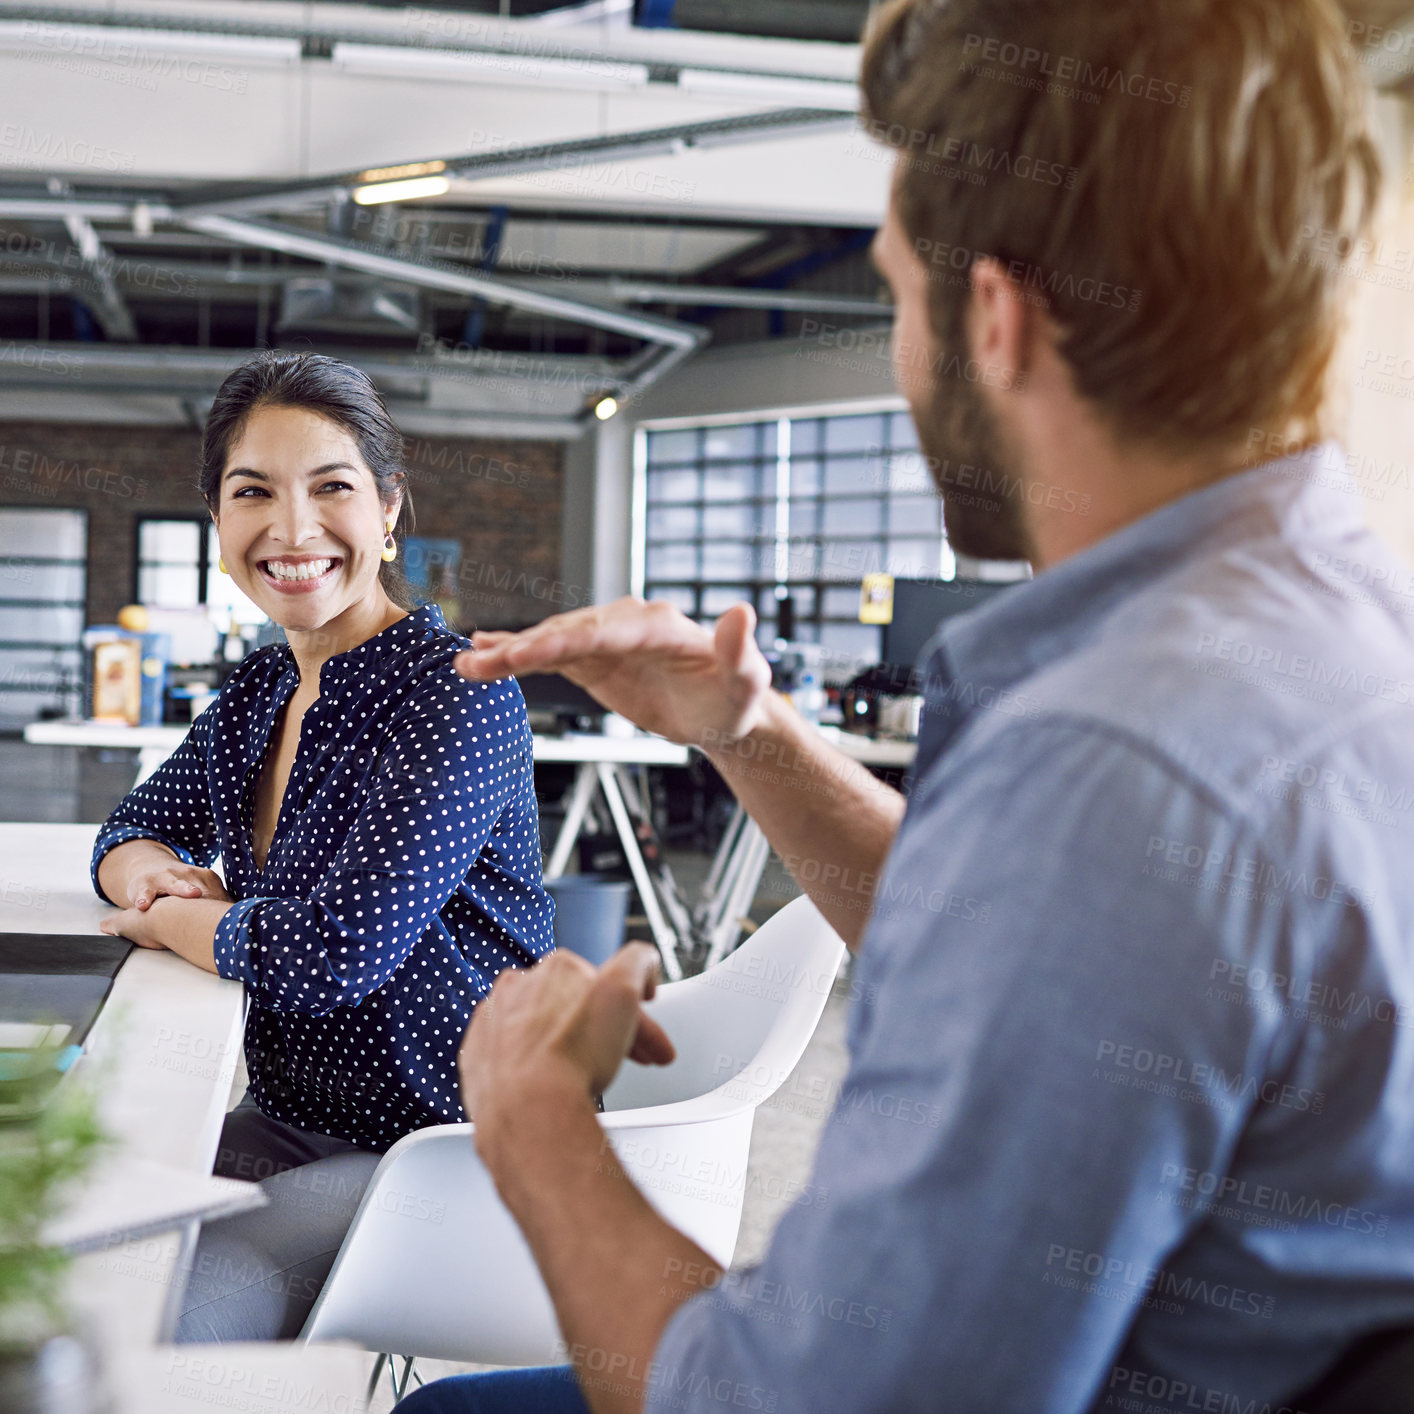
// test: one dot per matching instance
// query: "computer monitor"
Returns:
(553, 695)
(921, 605)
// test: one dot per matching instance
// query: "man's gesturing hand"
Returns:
(648, 662)
(561, 1023)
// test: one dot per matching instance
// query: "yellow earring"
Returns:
(390, 546)
(221, 565)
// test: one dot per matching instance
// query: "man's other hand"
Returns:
(560, 1022)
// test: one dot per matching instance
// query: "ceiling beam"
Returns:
(109, 307)
(631, 291)
(318, 27)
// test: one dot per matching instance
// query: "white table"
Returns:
(154, 744)
(880, 752)
(162, 1056)
(744, 853)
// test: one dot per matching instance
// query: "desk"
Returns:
(602, 764)
(153, 744)
(881, 753)
(162, 1055)
(741, 860)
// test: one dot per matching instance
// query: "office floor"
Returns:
(68, 784)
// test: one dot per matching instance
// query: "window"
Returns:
(177, 569)
(802, 506)
(171, 564)
(43, 582)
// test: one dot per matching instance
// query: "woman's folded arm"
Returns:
(172, 807)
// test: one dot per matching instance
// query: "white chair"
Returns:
(434, 1265)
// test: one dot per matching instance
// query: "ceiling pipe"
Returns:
(209, 366)
(734, 297)
(519, 160)
(52, 208)
(108, 306)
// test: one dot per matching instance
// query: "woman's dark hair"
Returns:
(345, 395)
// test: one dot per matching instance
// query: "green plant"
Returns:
(49, 1136)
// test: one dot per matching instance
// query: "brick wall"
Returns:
(501, 500)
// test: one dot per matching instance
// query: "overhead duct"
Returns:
(326, 304)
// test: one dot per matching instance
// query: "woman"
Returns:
(375, 815)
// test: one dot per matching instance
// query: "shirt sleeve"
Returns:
(172, 806)
(459, 753)
(1032, 1049)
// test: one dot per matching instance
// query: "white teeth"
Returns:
(309, 569)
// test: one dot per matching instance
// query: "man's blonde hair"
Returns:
(1183, 182)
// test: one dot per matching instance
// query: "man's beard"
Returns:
(982, 505)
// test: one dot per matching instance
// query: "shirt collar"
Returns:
(421, 624)
(1042, 619)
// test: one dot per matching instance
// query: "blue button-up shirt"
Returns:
(1129, 1119)
(404, 873)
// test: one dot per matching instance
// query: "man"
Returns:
(1167, 1071)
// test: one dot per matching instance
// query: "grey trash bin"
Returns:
(591, 914)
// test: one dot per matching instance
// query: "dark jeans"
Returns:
(255, 1276)
(547, 1389)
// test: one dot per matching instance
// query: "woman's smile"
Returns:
(299, 574)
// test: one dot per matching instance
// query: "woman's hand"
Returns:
(185, 926)
(176, 879)
(137, 925)
(648, 662)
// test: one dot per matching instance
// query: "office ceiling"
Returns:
(186, 184)
(180, 185)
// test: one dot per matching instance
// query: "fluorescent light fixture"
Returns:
(99, 43)
(410, 189)
(408, 169)
(778, 92)
(498, 67)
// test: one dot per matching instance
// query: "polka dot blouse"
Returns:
(404, 873)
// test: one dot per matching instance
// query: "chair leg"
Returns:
(400, 1386)
(373, 1380)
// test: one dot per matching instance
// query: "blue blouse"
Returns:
(404, 873)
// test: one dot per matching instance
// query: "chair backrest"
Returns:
(741, 1026)
(434, 1265)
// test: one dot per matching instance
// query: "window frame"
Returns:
(763, 588)
(203, 563)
